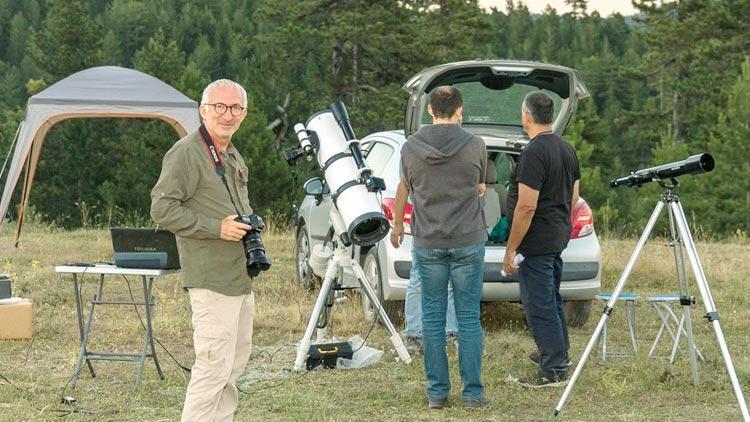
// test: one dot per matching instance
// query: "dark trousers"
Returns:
(540, 293)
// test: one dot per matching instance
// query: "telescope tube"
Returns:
(695, 164)
(342, 118)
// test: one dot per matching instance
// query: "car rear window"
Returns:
(493, 107)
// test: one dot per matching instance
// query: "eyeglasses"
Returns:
(221, 108)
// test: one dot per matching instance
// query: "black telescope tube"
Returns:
(342, 118)
(695, 164)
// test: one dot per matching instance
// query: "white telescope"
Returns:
(351, 182)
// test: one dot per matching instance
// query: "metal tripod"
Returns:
(681, 239)
(342, 257)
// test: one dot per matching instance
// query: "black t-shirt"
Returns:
(547, 164)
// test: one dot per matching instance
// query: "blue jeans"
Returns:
(540, 293)
(413, 305)
(464, 269)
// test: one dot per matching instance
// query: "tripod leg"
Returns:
(304, 344)
(608, 307)
(604, 343)
(711, 313)
(679, 244)
(395, 337)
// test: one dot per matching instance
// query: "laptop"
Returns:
(145, 248)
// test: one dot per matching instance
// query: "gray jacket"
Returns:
(443, 166)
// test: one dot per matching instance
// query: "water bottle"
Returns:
(516, 261)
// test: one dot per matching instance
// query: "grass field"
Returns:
(622, 389)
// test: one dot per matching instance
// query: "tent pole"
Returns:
(24, 200)
(10, 150)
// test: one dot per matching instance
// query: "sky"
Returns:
(604, 7)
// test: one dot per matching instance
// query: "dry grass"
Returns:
(623, 389)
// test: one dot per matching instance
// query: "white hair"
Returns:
(224, 82)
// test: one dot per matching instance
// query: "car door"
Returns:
(318, 222)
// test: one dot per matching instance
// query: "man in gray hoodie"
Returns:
(444, 167)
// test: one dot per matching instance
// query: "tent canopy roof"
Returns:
(105, 91)
(112, 85)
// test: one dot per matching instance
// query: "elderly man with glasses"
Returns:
(194, 201)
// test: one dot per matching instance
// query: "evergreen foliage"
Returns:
(668, 83)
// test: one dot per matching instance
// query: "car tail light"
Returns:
(582, 220)
(388, 205)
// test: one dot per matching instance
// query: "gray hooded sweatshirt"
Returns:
(443, 166)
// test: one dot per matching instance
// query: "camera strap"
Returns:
(213, 154)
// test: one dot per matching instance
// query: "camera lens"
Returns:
(252, 244)
(257, 260)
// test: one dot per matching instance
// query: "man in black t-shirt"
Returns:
(544, 186)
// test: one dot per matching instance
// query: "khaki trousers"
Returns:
(222, 337)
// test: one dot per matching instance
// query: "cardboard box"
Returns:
(15, 320)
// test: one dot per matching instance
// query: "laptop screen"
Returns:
(145, 248)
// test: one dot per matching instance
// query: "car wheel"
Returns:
(577, 312)
(393, 308)
(305, 276)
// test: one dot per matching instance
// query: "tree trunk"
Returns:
(355, 74)
(676, 123)
(336, 66)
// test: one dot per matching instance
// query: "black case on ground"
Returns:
(327, 353)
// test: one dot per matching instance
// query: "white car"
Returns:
(492, 93)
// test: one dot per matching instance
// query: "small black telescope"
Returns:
(699, 163)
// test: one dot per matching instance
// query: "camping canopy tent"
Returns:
(105, 91)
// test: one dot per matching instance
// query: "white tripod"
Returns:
(342, 257)
(682, 239)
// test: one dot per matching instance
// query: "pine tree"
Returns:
(68, 40)
(160, 59)
(729, 184)
(579, 7)
(132, 23)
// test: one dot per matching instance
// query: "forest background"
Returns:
(670, 82)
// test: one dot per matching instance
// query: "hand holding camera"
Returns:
(232, 229)
(247, 228)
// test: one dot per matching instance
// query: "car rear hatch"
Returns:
(493, 91)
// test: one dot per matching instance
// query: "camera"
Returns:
(252, 244)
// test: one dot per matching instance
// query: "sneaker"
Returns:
(535, 357)
(413, 345)
(436, 403)
(476, 403)
(537, 382)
